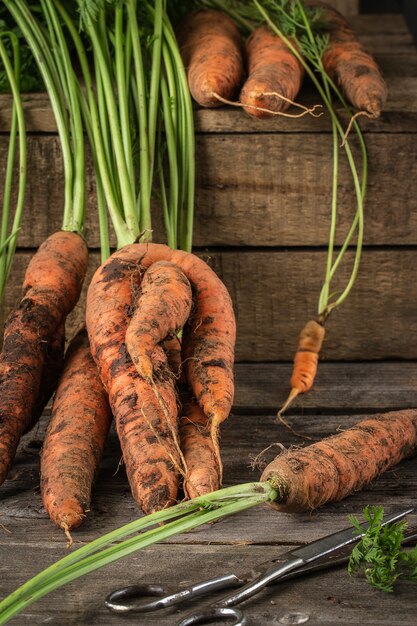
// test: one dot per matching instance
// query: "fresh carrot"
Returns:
(203, 470)
(145, 411)
(332, 469)
(209, 335)
(54, 362)
(172, 349)
(162, 307)
(306, 360)
(75, 438)
(51, 289)
(348, 64)
(211, 49)
(274, 74)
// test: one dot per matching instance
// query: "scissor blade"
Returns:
(332, 543)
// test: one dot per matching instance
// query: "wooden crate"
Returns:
(262, 214)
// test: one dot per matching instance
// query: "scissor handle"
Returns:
(134, 598)
(215, 613)
(130, 599)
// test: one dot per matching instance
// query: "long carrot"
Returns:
(209, 335)
(274, 74)
(75, 438)
(305, 360)
(51, 289)
(162, 307)
(347, 62)
(332, 469)
(211, 49)
(145, 411)
(203, 469)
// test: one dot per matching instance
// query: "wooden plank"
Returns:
(244, 437)
(387, 385)
(276, 191)
(347, 7)
(276, 292)
(327, 598)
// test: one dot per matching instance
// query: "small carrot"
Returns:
(305, 360)
(75, 438)
(211, 49)
(354, 70)
(162, 307)
(51, 289)
(203, 470)
(274, 75)
(331, 469)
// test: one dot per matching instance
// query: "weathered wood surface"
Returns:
(273, 192)
(28, 540)
(275, 292)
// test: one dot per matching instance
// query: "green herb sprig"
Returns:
(379, 554)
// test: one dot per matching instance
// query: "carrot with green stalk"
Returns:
(55, 274)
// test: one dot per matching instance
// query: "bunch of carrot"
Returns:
(158, 348)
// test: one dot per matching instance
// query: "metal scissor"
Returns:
(321, 554)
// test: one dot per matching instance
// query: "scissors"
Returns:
(321, 554)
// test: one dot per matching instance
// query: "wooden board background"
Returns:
(262, 214)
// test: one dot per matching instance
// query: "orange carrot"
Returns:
(75, 438)
(306, 360)
(332, 469)
(209, 338)
(209, 335)
(274, 74)
(51, 289)
(211, 49)
(203, 470)
(162, 307)
(350, 66)
(145, 411)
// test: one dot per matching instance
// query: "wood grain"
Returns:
(276, 191)
(275, 292)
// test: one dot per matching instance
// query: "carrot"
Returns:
(163, 306)
(172, 349)
(203, 470)
(211, 48)
(209, 335)
(332, 469)
(350, 66)
(51, 289)
(145, 411)
(75, 438)
(274, 74)
(54, 362)
(305, 360)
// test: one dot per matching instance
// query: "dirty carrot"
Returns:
(163, 305)
(203, 470)
(337, 466)
(305, 360)
(51, 289)
(350, 66)
(274, 74)
(54, 362)
(75, 438)
(145, 411)
(211, 49)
